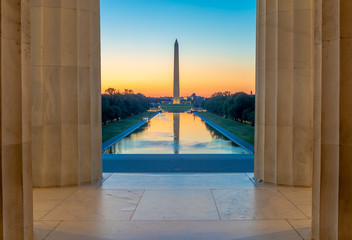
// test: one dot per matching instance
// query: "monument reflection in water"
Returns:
(175, 133)
(176, 117)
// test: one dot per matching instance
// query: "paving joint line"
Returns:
(76, 190)
(134, 211)
(294, 204)
(250, 179)
(53, 230)
(216, 206)
(294, 229)
(103, 180)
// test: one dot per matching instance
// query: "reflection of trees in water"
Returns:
(114, 149)
(215, 134)
(139, 130)
(108, 151)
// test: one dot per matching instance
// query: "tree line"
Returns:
(238, 106)
(117, 105)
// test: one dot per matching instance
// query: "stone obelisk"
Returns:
(176, 76)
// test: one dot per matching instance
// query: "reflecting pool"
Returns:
(178, 133)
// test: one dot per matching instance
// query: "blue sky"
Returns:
(217, 45)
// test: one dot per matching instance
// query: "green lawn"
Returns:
(176, 107)
(243, 131)
(115, 128)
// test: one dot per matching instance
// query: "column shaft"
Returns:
(260, 91)
(332, 211)
(317, 116)
(284, 92)
(15, 122)
(66, 121)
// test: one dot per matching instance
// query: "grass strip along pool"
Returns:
(241, 130)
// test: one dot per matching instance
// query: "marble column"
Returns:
(66, 101)
(332, 189)
(284, 92)
(15, 122)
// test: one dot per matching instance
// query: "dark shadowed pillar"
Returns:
(332, 188)
(16, 210)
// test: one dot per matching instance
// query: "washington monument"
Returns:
(176, 76)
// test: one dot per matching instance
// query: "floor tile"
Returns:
(303, 227)
(46, 199)
(42, 229)
(177, 181)
(176, 205)
(255, 204)
(96, 204)
(302, 199)
(175, 230)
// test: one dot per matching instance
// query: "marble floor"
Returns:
(173, 206)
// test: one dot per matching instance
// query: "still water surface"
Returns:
(178, 133)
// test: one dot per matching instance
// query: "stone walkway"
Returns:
(173, 206)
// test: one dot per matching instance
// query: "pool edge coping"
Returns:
(178, 163)
(239, 141)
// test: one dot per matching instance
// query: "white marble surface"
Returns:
(43, 228)
(255, 204)
(302, 199)
(175, 230)
(92, 204)
(45, 200)
(176, 205)
(173, 206)
(303, 227)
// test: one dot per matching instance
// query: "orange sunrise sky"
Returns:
(216, 41)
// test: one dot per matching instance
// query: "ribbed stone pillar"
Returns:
(66, 119)
(15, 122)
(332, 189)
(284, 92)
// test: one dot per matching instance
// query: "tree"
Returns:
(116, 105)
(238, 106)
(111, 91)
